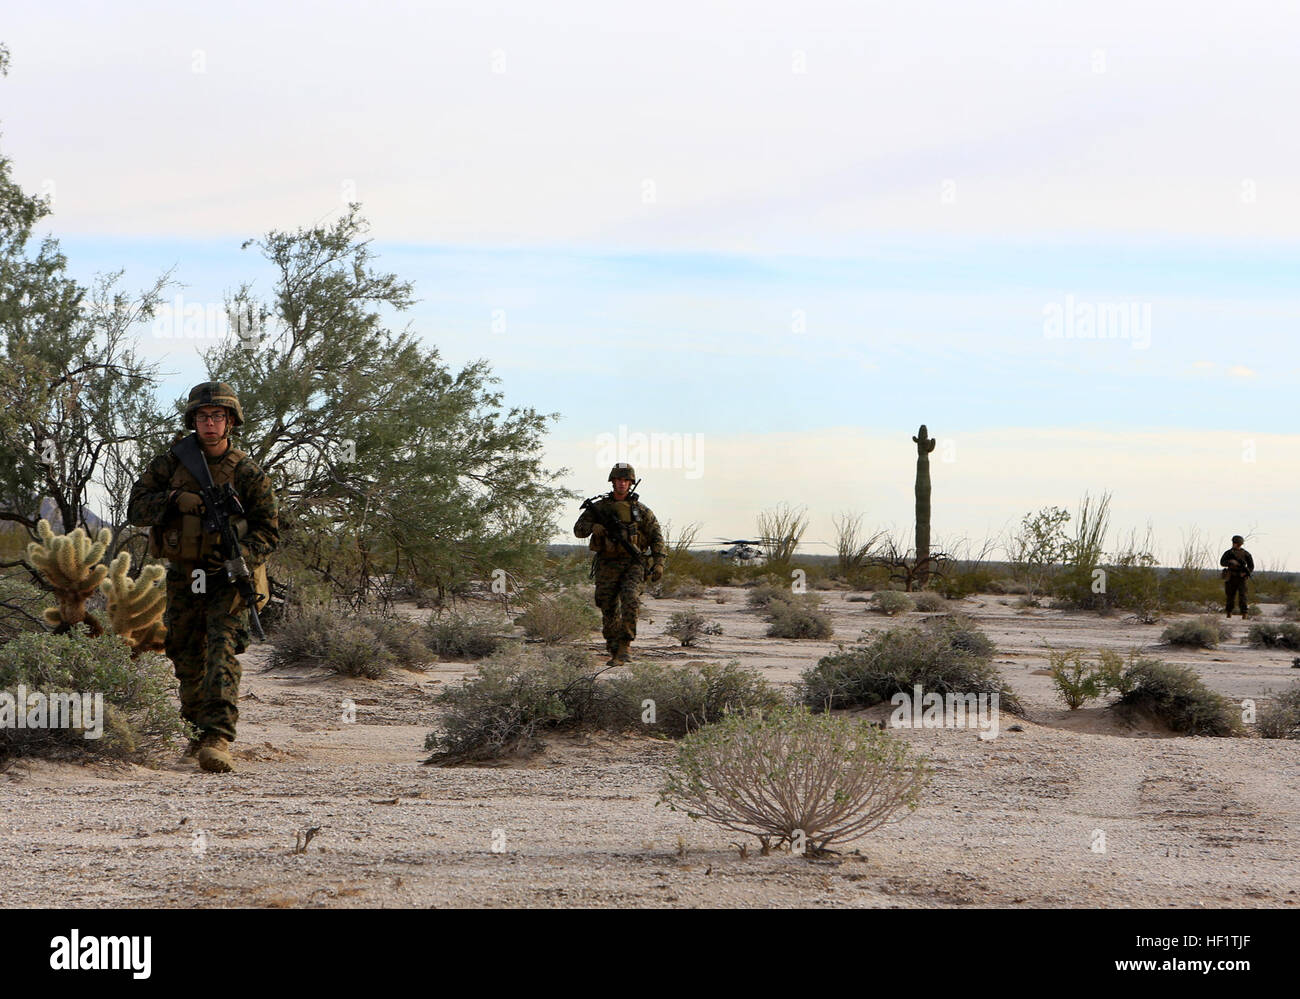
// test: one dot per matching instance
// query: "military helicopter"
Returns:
(742, 552)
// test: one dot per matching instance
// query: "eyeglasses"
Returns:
(210, 418)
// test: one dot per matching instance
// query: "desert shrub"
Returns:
(928, 602)
(858, 598)
(1270, 634)
(332, 639)
(891, 602)
(1074, 677)
(1007, 587)
(21, 605)
(957, 583)
(460, 636)
(403, 639)
(140, 714)
(684, 698)
(1179, 698)
(790, 776)
(558, 617)
(690, 625)
(1199, 633)
(799, 618)
(503, 710)
(1113, 674)
(944, 655)
(1279, 716)
(760, 597)
(677, 586)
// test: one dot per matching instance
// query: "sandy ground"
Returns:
(1013, 821)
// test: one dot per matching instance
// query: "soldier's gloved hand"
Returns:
(187, 502)
(657, 572)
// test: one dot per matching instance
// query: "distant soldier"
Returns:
(1237, 567)
(623, 532)
(206, 618)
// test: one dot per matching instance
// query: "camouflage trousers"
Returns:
(618, 595)
(203, 639)
(1235, 586)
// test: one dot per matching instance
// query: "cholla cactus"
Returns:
(135, 606)
(70, 563)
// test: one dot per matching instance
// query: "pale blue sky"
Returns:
(653, 201)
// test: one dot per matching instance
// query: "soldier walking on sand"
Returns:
(1237, 568)
(206, 618)
(619, 574)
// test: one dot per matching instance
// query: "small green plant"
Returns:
(891, 602)
(688, 626)
(1200, 633)
(791, 776)
(1074, 677)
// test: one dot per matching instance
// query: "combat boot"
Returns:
(622, 653)
(192, 748)
(214, 754)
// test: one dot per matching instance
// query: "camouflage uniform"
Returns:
(618, 576)
(1238, 565)
(205, 630)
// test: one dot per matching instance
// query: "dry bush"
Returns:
(1272, 635)
(689, 626)
(558, 617)
(801, 616)
(891, 602)
(685, 698)
(460, 636)
(334, 640)
(790, 776)
(1179, 698)
(928, 602)
(1199, 633)
(1279, 717)
(675, 586)
(945, 655)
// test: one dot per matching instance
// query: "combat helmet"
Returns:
(622, 471)
(213, 394)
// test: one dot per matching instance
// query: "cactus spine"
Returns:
(70, 563)
(135, 606)
(924, 445)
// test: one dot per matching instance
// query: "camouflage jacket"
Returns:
(149, 507)
(643, 527)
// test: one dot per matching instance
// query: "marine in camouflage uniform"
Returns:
(619, 577)
(1238, 564)
(206, 618)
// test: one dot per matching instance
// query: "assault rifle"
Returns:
(614, 527)
(220, 506)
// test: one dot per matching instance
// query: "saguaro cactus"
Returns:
(135, 606)
(71, 564)
(924, 445)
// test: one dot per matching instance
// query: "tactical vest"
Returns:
(633, 516)
(181, 537)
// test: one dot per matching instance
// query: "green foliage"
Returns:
(891, 602)
(403, 639)
(460, 636)
(790, 776)
(1075, 679)
(558, 617)
(1179, 698)
(20, 607)
(690, 625)
(140, 714)
(957, 583)
(1274, 635)
(1279, 717)
(944, 655)
(514, 699)
(1039, 546)
(386, 458)
(1200, 633)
